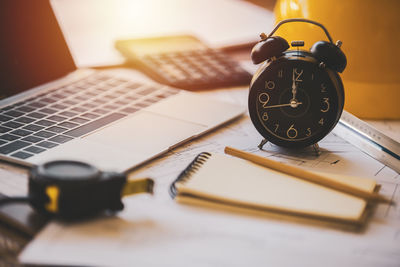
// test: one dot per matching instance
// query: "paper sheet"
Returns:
(159, 232)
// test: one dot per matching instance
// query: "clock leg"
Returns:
(316, 149)
(263, 142)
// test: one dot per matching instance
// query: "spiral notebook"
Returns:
(221, 180)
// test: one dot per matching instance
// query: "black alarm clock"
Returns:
(296, 97)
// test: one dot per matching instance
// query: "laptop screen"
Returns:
(32, 48)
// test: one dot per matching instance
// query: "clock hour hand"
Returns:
(294, 88)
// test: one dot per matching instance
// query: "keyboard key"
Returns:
(129, 110)
(89, 105)
(58, 96)
(22, 155)
(57, 118)
(44, 134)
(36, 115)
(33, 127)
(32, 139)
(13, 113)
(146, 91)
(59, 106)
(47, 144)
(48, 100)
(90, 115)
(48, 110)
(94, 125)
(25, 120)
(80, 120)
(56, 129)
(45, 123)
(21, 132)
(100, 111)
(13, 124)
(60, 139)
(68, 125)
(2, 142)
(5, 118)
(25, 109)
(69, 103)
(37, 104)
(111, 107)
(11, 147)
(34, 149)
(68, 114)
(121, 103)
(9, 137)
(79, 109)
(99, 101)
(142, 104)
(4, 129)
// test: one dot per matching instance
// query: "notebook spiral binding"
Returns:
(193, 167)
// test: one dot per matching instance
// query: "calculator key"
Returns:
(9, 137)
(5, 118)
(14, 146)
(22, 155)
(44, 134)
(14, 113)
(32, 139)
(47, 144)
(33, 127)
(60, 139)
(34, 149)
(21, 132)
(4, 129)
(45, 123)
(56, 129)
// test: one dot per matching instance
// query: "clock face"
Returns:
(294, 102)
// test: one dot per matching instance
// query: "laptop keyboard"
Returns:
(47, 120)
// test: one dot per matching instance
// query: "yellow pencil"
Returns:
(307, 175)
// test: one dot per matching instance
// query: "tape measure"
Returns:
(370, 140)
(72, 189)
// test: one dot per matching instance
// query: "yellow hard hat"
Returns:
(370, 34)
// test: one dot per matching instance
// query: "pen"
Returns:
(307, 175)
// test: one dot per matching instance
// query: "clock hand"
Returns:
(292, 103)
(294, 88)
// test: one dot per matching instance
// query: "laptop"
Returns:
(114, 120)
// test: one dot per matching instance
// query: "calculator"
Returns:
(183, 61)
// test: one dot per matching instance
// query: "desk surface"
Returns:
(219, 238)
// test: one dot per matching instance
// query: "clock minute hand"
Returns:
(284, 105)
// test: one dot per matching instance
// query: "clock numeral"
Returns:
(291, 132)
(323, 88)
(265, 116)
(308, 132)
(321, 121)
(263, 98)
(276, 127)
(297, 74)
(269, 85)
(326, 103)
(280, 73)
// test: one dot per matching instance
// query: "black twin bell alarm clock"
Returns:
(296, 97)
